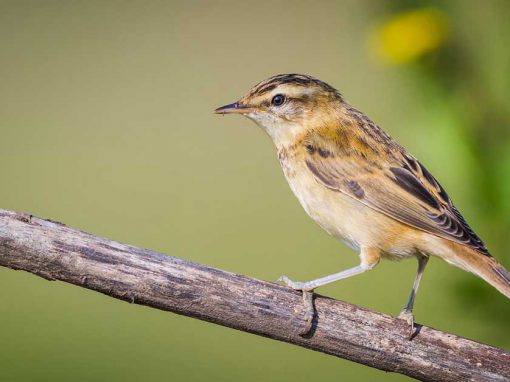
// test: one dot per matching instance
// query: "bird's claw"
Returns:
(407, 316)
(307, 301)
(309, 312)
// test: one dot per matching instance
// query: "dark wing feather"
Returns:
(401, 188)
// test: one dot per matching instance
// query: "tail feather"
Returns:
(487, 268)
(504, 276)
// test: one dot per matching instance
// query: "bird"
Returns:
(360, 185)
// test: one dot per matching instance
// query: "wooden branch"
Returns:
(56, 252)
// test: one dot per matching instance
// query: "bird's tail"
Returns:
(485, 267)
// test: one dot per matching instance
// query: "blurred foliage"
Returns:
(409, 35)
(460, 85)
(107, 126)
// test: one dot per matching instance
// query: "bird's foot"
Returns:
(407, 316)
(297, 285)
(307, 301)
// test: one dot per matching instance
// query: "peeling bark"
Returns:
(56, 252)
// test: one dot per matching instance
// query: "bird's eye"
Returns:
(278, 100)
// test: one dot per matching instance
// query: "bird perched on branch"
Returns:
(360, 185)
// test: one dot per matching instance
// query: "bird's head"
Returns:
(287, 105)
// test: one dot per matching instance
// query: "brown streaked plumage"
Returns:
(360, 185)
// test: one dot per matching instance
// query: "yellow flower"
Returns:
(409, 35)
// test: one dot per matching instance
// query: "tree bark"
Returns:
(56, 252)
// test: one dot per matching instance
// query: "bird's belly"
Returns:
(349, 220)
(335, 212)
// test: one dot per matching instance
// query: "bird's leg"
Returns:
(407, 313)
(369, 258)
(309, 286)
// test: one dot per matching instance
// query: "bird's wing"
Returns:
(400, 188)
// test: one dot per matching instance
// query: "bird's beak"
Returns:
(234, 108)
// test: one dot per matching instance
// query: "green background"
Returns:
(106, 124)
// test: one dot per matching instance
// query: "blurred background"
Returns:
(106, 124)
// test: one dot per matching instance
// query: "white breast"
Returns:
(330, 209)
(340, 215)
